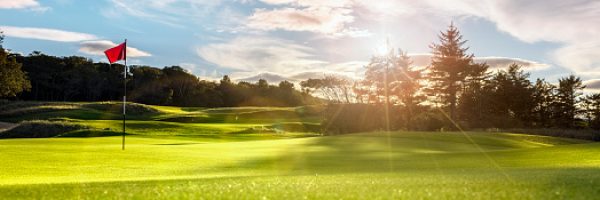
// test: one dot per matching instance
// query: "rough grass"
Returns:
(413, 165)
(41, 129)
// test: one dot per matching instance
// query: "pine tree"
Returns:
(543, 98)
(450, 68)
(591, 106)
(568, 93)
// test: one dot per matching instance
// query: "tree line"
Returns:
(41, 77)
(453, 93)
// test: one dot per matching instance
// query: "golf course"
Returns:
(276, 153)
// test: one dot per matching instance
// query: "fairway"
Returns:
(357, 166)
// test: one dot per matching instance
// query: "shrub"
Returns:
(41, 129)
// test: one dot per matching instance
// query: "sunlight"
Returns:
(380, 47)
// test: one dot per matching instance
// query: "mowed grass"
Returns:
(409, 165)
(272, 153)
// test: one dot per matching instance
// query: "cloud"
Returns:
(315, 19)
(46, 34)
(22, 4)
(269, 77)
(592, 84)
(274, 78)
(260, 54)
(311, 3)
(504, 62)
(169, 12)
(189, 67)
(332, 18)
(99, 46)
(494, 62)
(575, 24)
(572, 24)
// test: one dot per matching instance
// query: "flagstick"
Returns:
(124, 94)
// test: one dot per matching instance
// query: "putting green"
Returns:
(370, 165)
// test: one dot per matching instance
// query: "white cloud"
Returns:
(46, 34)
(18, 4)
(332, 18)
(311, 3)
(260, 54)
(249, 56)
(593, 85)
(22, 4)
(494, 62)
(321, 19)
(504, 62)
(99, 46)
(168, 12)
(574, 24)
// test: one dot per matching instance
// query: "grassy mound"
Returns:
(19, 108)
(41, 129)
(16, 111)
(117, 107)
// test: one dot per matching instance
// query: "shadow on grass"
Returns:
(92, 133)
(398, 152)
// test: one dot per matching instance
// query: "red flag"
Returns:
(117, 53)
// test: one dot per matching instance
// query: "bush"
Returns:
(41, 129)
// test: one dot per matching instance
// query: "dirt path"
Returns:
(5, 126)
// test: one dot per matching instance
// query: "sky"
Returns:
(299, 39)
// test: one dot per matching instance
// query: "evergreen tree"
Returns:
(568, 93)
(475, 102)
(591, 106)
(543, 98)
(450, 68)
(512, 97)
(406, 86)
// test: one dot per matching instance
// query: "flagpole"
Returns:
(124, 94)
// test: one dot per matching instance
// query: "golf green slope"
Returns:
(361, 166)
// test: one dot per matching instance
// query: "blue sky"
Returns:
(308, 37)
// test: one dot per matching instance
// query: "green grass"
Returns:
(267, 153)
(373, 165)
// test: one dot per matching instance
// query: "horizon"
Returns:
(292, 37)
